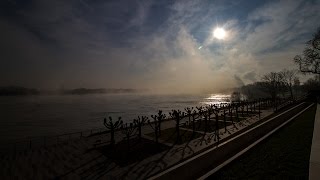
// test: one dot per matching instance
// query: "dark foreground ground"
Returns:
(285, 155)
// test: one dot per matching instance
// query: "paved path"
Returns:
(314, 166)
(285, 155)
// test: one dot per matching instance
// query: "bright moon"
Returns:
(219, 33)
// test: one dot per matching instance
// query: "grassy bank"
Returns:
(285, 155)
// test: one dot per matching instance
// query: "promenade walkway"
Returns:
(78, 160)
(285, 155)
(314, 167)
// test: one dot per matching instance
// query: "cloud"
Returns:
(23, 65)
(188, 70)
(141, 13)
(251, 76)
(152, 44)
(284, 22)
(272, 36)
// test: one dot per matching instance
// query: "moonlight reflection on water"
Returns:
(217, 99)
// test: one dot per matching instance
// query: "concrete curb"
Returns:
(314, 163)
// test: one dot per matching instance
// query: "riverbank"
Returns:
(82, 159)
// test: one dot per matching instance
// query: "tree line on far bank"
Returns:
(274, 85)
(286, 83)
(23, 91)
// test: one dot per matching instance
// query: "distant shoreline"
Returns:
(23, 91)
(18, 91)
(82, 91)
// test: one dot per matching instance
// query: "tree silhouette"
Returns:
(273, 84)
(159, 118)
(177, 115)
(216, 112)
(224, 119)
(112, 126)
(242, 108)
(139, 123)
(309, 61)
(128, 131)
(195, 114)
(230, 109)
(200, 113)
(156, 124)
(259, 107)
(207, 114)
(237, 112)
(189, 113)
(289, 76)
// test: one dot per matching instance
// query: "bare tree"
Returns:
(112, 126)
(139, 123)
(309, 61)
(312, 84)
(273, 84)
(296, 85)
(177, 115)
(288, 77)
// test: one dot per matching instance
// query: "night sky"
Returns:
(150, 44)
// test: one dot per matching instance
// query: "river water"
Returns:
(34, 116)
